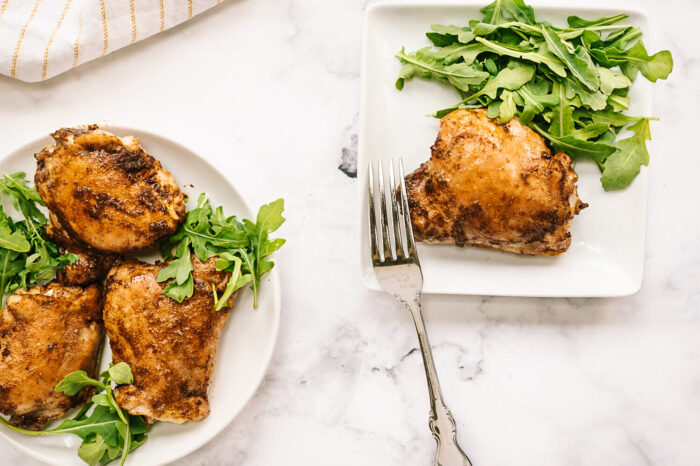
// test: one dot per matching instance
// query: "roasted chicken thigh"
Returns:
(170, 346)
(494, 186)
(107, 191)
(92, 265)
(46, 333)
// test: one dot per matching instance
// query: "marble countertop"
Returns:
(530, 381)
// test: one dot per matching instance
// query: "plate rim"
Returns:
(274, 283)
(366, 275)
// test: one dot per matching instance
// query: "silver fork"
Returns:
(398, 271)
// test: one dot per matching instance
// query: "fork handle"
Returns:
(442, 424)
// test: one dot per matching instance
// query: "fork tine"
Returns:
(398, 234)
(389, 251)
(410, 241)
(374, 250)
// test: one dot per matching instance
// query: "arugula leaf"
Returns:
(658, 66)
(508, 78)
(236, 281)
(493, 13)
(575, 147)
(624, 165)
(511, 32)
(180, 270)
(590, 39)
(180, 291)
(454, 52)
(542, 55)
(500, 10)
(562, 115)
(595, 100)
(619, 102)
(102, 422)
(577, 22)
(268, 220)
(424, 64)
(10, 239)
(611, 80)
(93, 450)
(101, 399)
(535, 100)
(507, 108)
(613, 118)
(490, 65)
(26, 255)
(120, 373)
(622, 39)
(76, 381)
(519, 11)
(577, 64)
(270, 217)
(11, 267)
(591, 131)
(463, 35)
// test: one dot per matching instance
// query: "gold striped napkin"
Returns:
(42, 38)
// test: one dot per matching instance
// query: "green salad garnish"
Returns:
(27, 256)
(241, 247)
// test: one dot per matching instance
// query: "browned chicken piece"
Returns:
(92, 265)
(170, 346)
(46, 333)
(493, 186)
(107, 191)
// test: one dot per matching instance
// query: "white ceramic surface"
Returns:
(606, 257)
(246, 344)
(530, 381)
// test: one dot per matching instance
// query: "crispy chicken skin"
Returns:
(170, 346)
(107, 191)
(46, 333)
(493, 186)
(92, 265)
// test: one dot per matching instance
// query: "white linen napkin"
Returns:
(42, 38)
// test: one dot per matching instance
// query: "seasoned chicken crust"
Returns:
(170, 346)
(92, 265)
(46, 333)
(106, 191)
(494, 186)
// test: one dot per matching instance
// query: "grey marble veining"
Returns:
(269, 90)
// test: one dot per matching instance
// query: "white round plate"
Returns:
(246, 344)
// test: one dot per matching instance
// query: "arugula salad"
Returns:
(240, 247)
(27, 256)
(569, 84)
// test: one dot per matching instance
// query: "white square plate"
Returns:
(606, 257)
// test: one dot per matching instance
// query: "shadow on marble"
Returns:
(528, 311)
